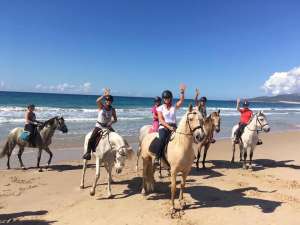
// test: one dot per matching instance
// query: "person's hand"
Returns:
(106, 91)
(182, 87)
(172, 129)
(197, 92)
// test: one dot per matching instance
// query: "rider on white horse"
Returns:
(106, 117)
(246, 115)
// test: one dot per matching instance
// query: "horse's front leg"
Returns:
(21, 150)
(109, 180)
(47, 149)
(83, 173)
(8, 160)
(198, 156)
(182, 186)
(245, 157)
(39, 160)
(173, 189)
(233, 152)
(251, 155)
(92, 192)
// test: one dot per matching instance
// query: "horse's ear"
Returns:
(190, 107)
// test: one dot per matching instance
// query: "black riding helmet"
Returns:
(157, 99)
(167, 94)
(203, 99)
(245, 104)
(31, 106)
(109, 98)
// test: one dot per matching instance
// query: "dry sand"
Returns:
(221, 194)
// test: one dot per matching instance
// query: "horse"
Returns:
(179, 153)
(249, 138)
(143, 132)
(211, 124)
(43, 139)
(112, 150)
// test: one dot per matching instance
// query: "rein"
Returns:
(261, 126)
(191, 130)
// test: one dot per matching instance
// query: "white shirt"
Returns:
(104, 117)
(168, 114)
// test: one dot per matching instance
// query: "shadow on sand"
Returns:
(17, 218)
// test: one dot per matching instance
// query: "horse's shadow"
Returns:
(207, 173)
(13, 218)
(261, 164)
(133, 187)
(210, 197)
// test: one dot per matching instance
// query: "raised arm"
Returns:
(196, 97)
(238, 104)
(181, 98)
(99, 100)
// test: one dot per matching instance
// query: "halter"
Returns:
(261, 126)
(117, 150)
(191, 130)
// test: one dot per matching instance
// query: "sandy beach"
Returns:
(221, 194)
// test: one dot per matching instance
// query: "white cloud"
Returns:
(283, 82)
(65, 88)
(2, 84)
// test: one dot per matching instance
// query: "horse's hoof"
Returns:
(92, 193)
(40, 170)
(182, 205)
(109, 196)
(23, 168)
(81, 186)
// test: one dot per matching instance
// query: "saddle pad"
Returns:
(25, 135)
(154, 146)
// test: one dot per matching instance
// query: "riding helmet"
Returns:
(157, 99)
(167, 94)
(246, 103)
(203, 99)
(109, 98)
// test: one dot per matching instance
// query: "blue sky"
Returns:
(226, 48)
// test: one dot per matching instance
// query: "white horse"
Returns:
(249, 137)
(143, 132)
(112, 150)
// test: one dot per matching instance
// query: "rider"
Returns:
(31, 123)
(202, 108)
(106, 117)
(167, 117)
(201, 103)
(246, 115)
(155, 124)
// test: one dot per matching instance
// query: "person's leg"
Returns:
(163, 135)
(91, 143)
(237, 134)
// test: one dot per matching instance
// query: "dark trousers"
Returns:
(240, 130)
(93, 139)
(31, 128)
(163, 136)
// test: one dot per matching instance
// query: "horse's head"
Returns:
(216, 119)
(194, 120)
(123, 151)
(262, 122)
(60, 125)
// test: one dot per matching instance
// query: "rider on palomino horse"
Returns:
(246, 115)
(31, 124)
(155, 124)
(202, 108)
(167, 117)
(106, 117)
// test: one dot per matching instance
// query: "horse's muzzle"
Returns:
(267, 129)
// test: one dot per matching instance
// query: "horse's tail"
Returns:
(4, 150)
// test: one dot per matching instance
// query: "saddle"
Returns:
(100, 134)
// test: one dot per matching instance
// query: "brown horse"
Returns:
(179, 153)
(211, 124)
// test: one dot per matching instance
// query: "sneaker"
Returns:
(87, 156)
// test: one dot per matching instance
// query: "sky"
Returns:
(139, 47)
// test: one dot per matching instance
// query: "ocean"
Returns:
(80, 112)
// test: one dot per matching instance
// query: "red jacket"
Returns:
(246, 115)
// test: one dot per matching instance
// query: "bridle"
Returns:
(261, 125)
(191, 130)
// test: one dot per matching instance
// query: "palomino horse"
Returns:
(249, 137)
(179, 154)
(43, 139)
(111, 150)
(211, 124)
